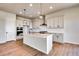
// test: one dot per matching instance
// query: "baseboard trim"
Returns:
(72, 43)
(12, 39)
(6, 41)
(3, 42)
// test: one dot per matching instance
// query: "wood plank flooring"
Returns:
(19, 49)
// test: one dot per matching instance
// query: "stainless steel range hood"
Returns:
(43, 18)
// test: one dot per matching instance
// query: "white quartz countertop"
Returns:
(55, 30)
(38, 35)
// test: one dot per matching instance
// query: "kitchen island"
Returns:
(41, 42)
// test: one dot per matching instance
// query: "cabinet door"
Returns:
(55, 22)
(2, 31)
(19, 23)
(61, 21)
(11, 29)
(50, 23)
(58, 37)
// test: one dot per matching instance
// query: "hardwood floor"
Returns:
(19, 49)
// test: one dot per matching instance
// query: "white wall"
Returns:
(71, 24)
(37, 22)
(7, 24)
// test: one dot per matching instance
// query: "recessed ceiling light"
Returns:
(20, 12)
(30, 5)
(51, 7)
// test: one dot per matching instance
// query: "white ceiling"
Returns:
(33, 11)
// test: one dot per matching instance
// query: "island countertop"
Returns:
(39, 35)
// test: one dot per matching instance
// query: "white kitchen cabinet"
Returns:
(58, 37)
(7, 27)
(55, 25)
(58, 34)
(11, 28)
(41, 42)
(2, 30)
(61, 21)
(23, 21)
(19, 23)
(55, 22)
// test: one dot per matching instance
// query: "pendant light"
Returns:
(40, 11)
(42, 16)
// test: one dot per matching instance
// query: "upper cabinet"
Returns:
(55, 22)
(20, 22)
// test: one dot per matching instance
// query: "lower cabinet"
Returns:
(58, 37)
